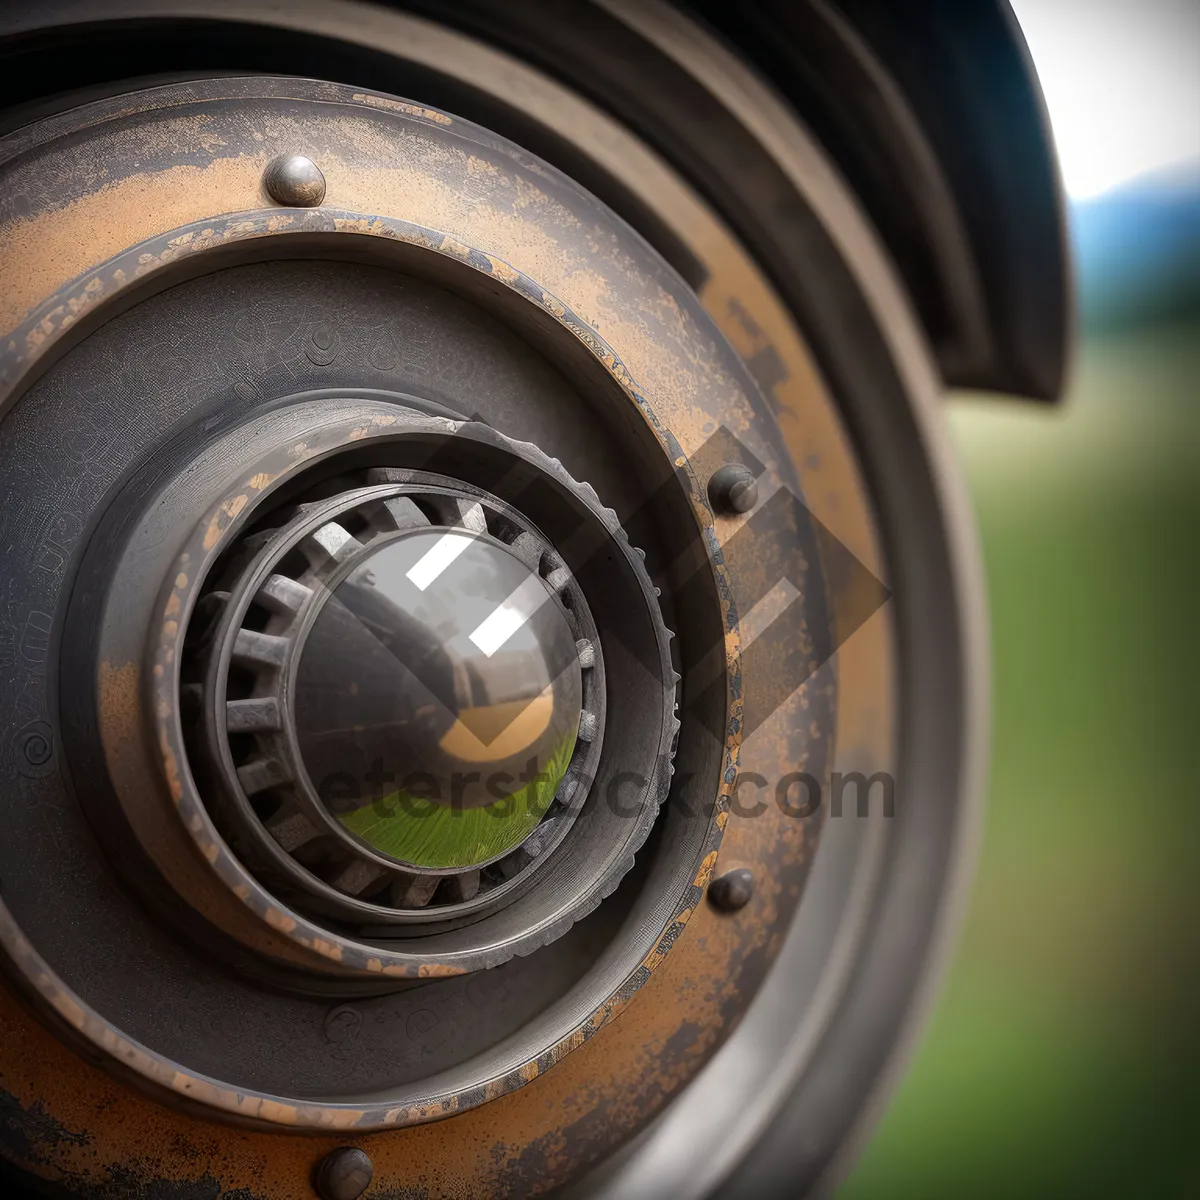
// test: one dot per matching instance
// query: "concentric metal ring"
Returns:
(776, 902)
(642, 922)
(587, 869)
(299, 818)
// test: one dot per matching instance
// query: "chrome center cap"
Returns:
(437, 698)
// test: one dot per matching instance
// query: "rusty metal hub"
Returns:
(210, 562)
(393, 699)
(382, 374)
(358, 463)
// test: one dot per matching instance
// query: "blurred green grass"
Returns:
(1063, 1056)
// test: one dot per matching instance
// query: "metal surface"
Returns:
(731, 891)
(302, 815)
(963, 190)
(572, 883)
(610, 1087)
(776, 1074)
(787, 845)
(933, 115)
(733, 489)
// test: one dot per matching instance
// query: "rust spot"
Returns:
(222, 518)
(38, 250)
(327, 949)
(280, 920)
(170, 768)
(438, 970)
(706, 867)
(120, 701)
(410, 110)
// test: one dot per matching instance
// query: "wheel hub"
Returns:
(297, 957)
(403, 690)
(235, 510)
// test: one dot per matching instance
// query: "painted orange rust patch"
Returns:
(223, 518)
(401, 106)
(43, 252)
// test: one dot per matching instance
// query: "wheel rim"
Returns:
(715, 300)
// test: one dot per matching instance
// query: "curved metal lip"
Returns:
(559, 1031)
(358, 23)
(224, 519)
(564, 1027)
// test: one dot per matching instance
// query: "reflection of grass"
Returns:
(1061, 1059)
(428, 834)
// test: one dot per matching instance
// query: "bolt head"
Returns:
(731, 891)
(733, 489)
(344, 1174)
(294, 181)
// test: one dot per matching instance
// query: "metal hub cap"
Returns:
(438, 698)
(402, 695)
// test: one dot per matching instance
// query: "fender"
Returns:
(931, 111)
(934, 114)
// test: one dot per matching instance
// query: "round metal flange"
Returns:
(579, 869)
(596, 973)
(589, 867)
(576, 993)
(238, 471)
(449, 216)
(274, 763)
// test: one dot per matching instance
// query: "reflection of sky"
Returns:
(1122, 84)
(461, 598)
